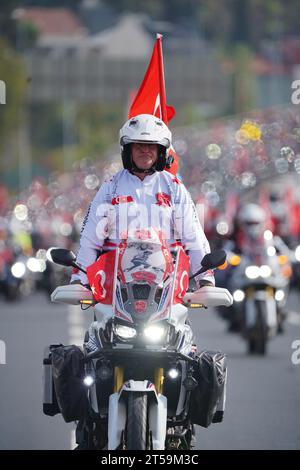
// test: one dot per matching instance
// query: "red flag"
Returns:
(151, 96)
(101, 277)
(182, 277)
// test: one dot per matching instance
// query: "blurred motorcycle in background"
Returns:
(260, 288)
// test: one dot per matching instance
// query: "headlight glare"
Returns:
(265, 271)
(154, 333)
(297, 253)
(238, 295)
(18, 269)
(125, 332)
(252, 272)
(279, 295)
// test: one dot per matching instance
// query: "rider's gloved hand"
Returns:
(204, 283)
(87, 286)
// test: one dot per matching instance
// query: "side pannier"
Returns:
(68, 374)
(207, 403)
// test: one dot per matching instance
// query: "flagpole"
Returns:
(163, 101)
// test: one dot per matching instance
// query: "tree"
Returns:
(13, 74)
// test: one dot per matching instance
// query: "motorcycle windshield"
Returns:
(144, 268)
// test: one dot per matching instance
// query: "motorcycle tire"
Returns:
(261, 333)
(136, 429)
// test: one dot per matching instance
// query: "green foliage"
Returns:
(7, 23)
(13, 73)
(61, 135)
(27, 35)
(243, 79)
(98, 127)
(46, 125)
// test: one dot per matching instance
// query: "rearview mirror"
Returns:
(211, 261)
(61, 256)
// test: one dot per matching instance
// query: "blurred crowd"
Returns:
(253, 159)
(48, 213)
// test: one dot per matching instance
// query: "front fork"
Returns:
(157, 411)
(158, 379)
(267, 295)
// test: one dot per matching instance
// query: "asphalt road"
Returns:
(263, 393)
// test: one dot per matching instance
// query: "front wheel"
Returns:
(258, 338)
(137, 437)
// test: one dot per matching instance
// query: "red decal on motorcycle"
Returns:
(182, 278)
(140, 306)
(75, 271)
(144, 276)
(163, 199)
(122, 315)
(101, 277)
(162, 315)
(121, 200)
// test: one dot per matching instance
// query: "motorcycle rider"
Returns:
(141, 190)
(251, 240)
(140, 196)
(249, 237)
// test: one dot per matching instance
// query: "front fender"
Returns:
(157, 414)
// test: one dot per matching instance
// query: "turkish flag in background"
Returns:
(151, 96)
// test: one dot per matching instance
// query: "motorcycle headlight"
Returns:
(265, 271)
(271, 250)
(88, 380)
(125, 332)
(238, 295)
(33, 265)
(252, 272)
(18, 269)
(279, 295)
(297, 253)
(154, 333)
(268, 235)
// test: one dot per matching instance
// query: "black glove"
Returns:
(87, 286)
(205, 282)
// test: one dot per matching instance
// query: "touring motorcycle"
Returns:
(260, 289)
(137, 383)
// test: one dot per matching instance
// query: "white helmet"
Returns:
(145, 128)
(252, 218)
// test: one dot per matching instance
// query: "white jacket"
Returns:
(160, 201)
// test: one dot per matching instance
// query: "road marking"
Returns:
(294, 318)
(2, 352)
